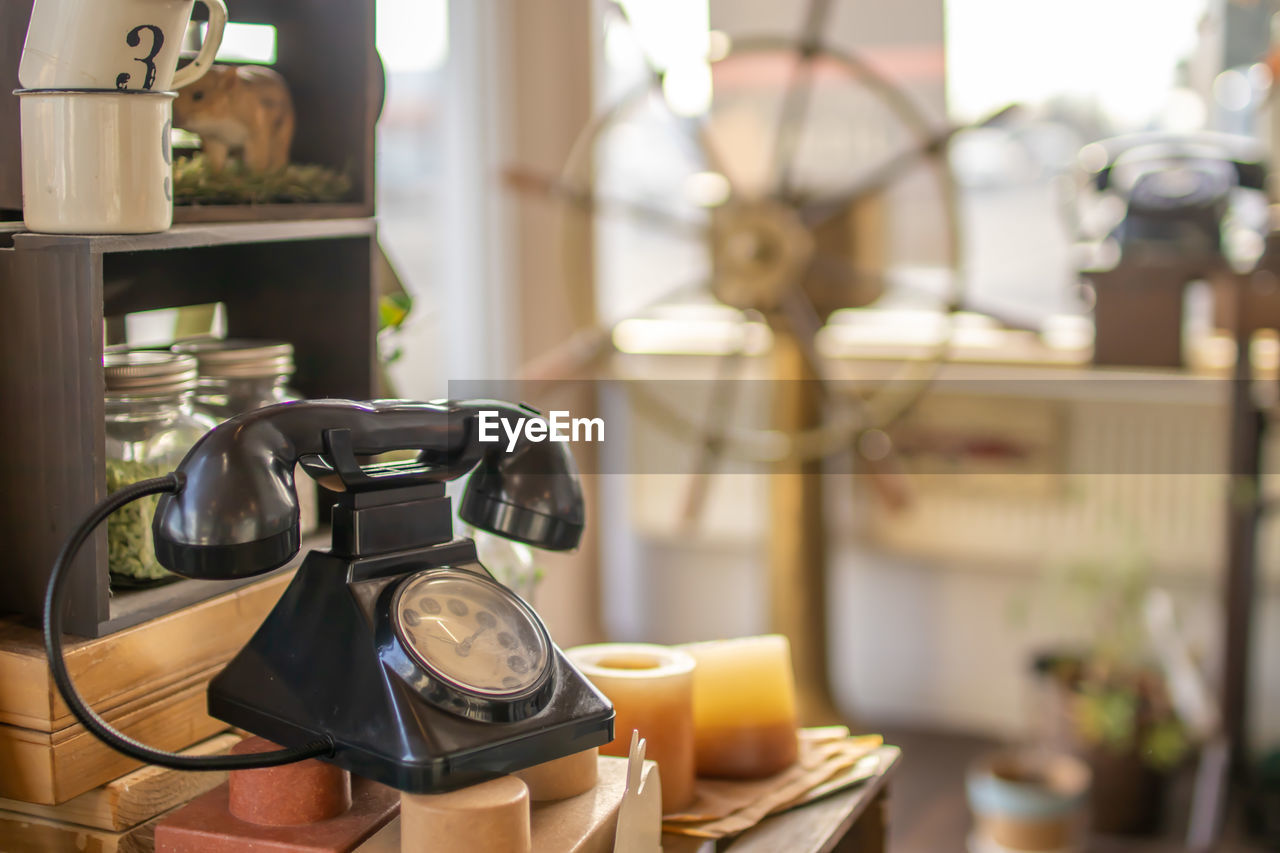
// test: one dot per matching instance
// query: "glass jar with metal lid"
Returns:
(240, 375)
(150, 426)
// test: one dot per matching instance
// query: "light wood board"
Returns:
(135, 797)
(20, 833)
(114, 670)
(50, 768)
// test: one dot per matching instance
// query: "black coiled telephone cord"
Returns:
(55, 603)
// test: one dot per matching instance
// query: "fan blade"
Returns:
(815, 22)
(722, 402)
(886, 475)
(795, 104)
(791, 118)
(584, 349)
(831, 266)
(818, 211)
(805, 324)
(888, 478)
(534, 183)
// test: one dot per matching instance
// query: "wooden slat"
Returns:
(135, 797)
(23, 833)
(51, 768)
(114, 670)
(13, 31)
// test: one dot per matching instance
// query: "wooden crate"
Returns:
(118, 816)
(150, 678)
(52, 767)
(325, 50)
(136, 797)
(111, 671)
(307, 282)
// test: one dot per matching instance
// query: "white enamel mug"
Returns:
(115, 44)
(97, 162)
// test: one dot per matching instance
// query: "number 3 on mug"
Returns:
(134, 39)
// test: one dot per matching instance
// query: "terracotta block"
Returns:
(290, 795)
(207, 826)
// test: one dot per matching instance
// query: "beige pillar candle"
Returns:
(491, 816)
(651, 688)
(744, 706)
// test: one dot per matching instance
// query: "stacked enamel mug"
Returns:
(97, 110)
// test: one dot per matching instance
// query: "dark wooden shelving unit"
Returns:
(310, 283)
(297, 272)
(324, 49)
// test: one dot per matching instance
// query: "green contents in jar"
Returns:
(131, 556)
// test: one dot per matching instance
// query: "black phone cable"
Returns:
(54, 604)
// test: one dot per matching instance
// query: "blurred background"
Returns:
(883, 336)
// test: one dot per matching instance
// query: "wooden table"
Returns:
(851, 821)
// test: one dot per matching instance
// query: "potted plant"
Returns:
(1107, 699)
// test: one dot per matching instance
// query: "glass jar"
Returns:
(238, 376)
(150, 426)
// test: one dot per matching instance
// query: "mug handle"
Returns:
(196, 68)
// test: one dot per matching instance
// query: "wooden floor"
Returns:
(928, 812)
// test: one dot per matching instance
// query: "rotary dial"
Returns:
(473, 632)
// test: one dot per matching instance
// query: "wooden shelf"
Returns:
(202, 235)
(302, 273)
(131, 606)
(308, 282)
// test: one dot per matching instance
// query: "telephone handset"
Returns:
(237, 513)
(394, 654)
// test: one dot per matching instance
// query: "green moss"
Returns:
(131, 556)
(195, 183)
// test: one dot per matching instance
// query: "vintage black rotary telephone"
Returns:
(395, 654)
(1177, 187)
(1163, 206)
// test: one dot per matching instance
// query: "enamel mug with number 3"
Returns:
(96, 161)
(115, 44)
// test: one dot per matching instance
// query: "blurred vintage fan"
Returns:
(781, 183)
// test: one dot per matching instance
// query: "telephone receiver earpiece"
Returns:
(237, 512)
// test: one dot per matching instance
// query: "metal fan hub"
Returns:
(759, 250)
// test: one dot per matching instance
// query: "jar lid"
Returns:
(148, 373)
(239, 358)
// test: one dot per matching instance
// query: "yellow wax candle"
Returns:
(744, 706)
(651, 688)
